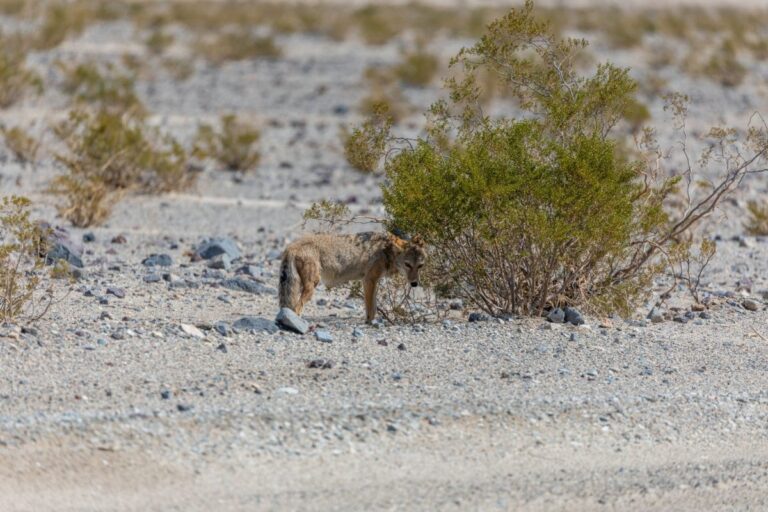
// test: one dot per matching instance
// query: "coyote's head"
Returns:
(410, 258)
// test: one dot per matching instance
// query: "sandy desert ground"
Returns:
(106, 404)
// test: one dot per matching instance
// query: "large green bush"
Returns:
(547, 209)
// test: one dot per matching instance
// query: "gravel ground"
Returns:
(147, 402)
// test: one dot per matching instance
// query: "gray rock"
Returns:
(220, 261)
(656, 316)
(255, 323)
(62, 247)
(152, 278)
(323, 336)
(573, 337)
(556, 316)
(251, 270)
(291, 321)
(89, 237)
(681, 319)
(117, 292)
(573, 316)
(478, 317)
(222, 328)
(357, 333)
(750, 304)
(157, 260)
(215, 246)
(321, 364)
(246, 285)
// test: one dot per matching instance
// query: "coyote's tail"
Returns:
(290, 283)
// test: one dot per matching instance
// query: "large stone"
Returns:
(215, 246)
(62, 247)
(193, 331)
(556, 316)
(573, 316)
(255, 323)
(240, 284)
(291, 321)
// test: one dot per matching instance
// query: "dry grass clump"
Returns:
(417, 68)
(101, 87)
(109, 154)
(179, 68)
(158, 41)
(23, 146)
(16, 80)
(21, 261)
(723, 66)
(757, 223)
(63, 20)
(237, 45)
(234, 146)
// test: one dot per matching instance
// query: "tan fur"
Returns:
(337, 259)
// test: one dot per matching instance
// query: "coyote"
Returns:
(336, 259)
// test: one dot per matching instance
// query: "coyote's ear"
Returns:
(397, 241)
(417, 241)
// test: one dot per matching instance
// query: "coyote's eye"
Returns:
(408, 265)
(420, 265)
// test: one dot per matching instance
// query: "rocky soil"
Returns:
(161, 382)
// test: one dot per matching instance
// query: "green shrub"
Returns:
(100, 87)
(21, 263)
(545, 210)
(234, 146)
(364, 146)
(158, 41)
(109, 154)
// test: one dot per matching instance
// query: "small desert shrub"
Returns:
(417, 68)
(238, 45)
(377, 24)
(23, 146)
(158, 41)
(757, 223)
(525, 214)
(364, 146)
(234, 146)
(724, 67)
(109, 154)
(21, 260)
(63, 20)
(636, 114)
(101, 87)
(178, 68)
(16, 80)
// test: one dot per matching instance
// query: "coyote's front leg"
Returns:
(370, 282)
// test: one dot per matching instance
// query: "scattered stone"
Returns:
(549, 326)
(221, 262)
(101, 341)
(705, 315)
(478, 317)
(222, 328)
(291, 321)
(573, 337)
(193, 331)
(321, 364)
(165, 394)
(744, 242)
(119, 239)
(323, 336)
(215, 246)
(591, 374)
(246, 285)
(255, 323)
(456, 305)
(401, 346)
(183, 407)
(222, 348)
(288, 391)
(357, 333)
(656, 316)
(382, 343)
(750, 304)
(117, 292)
(681, 319)
(573, 316)
(118, 334)
(62, 247)
(89, 237)
(152, 278)
(321, 302)
(698, 307)
(250, 270)
(556, 316)
(157, 260)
